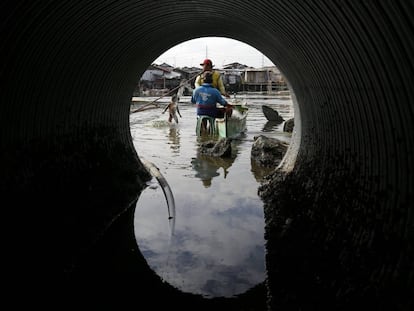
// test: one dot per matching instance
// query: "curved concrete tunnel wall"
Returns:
(68, 72)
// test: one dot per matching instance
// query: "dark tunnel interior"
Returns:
(339, 211)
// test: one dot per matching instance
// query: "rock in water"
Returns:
(271, 114)
(222, 148)
(267, 151)
(288, 126)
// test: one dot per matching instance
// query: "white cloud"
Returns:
(220, 50)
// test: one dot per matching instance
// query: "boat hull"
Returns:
(229, 127)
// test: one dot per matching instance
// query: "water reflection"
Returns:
(215, 250)
(260, 172)
(205, 170)
(174, 139)
(212, 258)
(214, 246)
(207, 167)
(271, 126)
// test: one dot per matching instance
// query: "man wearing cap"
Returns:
(217, 80)
(206, 97)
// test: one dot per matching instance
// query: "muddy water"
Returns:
(212, 241)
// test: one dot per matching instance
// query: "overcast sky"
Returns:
(220, 50)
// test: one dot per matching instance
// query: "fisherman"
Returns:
(173, 109)
(206, 98)
(217, 79)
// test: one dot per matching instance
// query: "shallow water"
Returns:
(214, 243)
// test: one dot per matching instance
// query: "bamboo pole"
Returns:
(168, 93)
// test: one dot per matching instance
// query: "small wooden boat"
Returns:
(234, 125)
(229, 126)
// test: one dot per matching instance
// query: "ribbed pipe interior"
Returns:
(68, 70)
